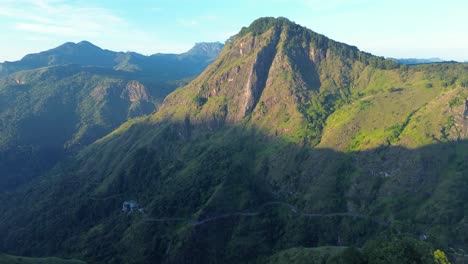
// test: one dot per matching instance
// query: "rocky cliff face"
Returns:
(135, 91)
(268, 77)
(288, 140)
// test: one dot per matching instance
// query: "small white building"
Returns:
(130, 206)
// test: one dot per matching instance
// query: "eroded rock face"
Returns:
(258, 76)
(317, 55)
(136, 91)
(244, 82)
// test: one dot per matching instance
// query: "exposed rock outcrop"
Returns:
(136, 91)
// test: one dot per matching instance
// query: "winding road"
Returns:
(258, 211)
(251, 213)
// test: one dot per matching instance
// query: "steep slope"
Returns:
(48, 112)
(86, 54)
(414, 107)
(277, 75)
(289, 140)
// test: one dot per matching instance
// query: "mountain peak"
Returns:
(76, 47)
(85, 53)
(207, 45)
(286, 124)
(206, 49)
(269, 72)
(68, 48)
(268, 22)
(261, 25)
(85, 43)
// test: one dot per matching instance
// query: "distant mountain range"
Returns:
(58, 101)
(85, 53)
(413, 61)
(290, 147)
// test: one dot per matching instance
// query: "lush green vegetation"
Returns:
(50, 112)
(47, 112)
(218, 176)
(394, 249)
(290, 148)
(307, 255)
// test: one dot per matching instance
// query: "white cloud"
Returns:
(49, 23)
(56, 17)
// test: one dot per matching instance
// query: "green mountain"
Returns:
(289, 148)
(49, 112)
(85, 53)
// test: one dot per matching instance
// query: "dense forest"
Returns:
(288, 148)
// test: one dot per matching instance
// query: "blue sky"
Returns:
(391, 28)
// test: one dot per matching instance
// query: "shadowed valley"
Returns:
(289, 148)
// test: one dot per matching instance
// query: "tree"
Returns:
(350, 255)
(440, 257)
(398, 250)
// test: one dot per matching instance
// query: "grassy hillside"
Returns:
(235, 182)
(289, 148)
(414, 107)
(304, 255)
(49, 112)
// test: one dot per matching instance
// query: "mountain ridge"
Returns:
(85, 53)
(282, 115)
(261, 53)
(77, 93)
